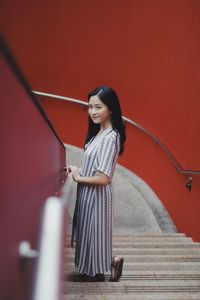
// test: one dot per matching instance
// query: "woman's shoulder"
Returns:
(111, 135)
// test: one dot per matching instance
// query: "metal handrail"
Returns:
(48, 279)
(157, 141)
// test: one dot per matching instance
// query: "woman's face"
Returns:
(99, 112)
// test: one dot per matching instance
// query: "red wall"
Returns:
(148, 51)
(32, 161)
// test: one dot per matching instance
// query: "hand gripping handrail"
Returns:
(48, 279)
(177, 165)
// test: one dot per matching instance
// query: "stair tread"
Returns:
(154, 266)
(145, 242)
(138, 277)
(154, 245)
(150, 251)
(122, 284)
(137, 296)
(156, 273)
(146, 234)
(146, 258)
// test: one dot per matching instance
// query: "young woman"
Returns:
(93, 218)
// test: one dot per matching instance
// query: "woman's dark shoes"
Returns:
(77, 277)
(116, 268)
(96, 278)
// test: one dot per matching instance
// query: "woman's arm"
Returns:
(99, 179)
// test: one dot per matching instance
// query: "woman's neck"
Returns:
(105, 126)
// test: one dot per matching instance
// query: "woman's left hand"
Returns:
(75, 173)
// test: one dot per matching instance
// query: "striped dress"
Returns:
(93, 215)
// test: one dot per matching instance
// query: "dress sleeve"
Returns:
(107, 155)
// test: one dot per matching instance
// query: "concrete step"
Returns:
(151, 234)
(148, 236)
(156, 239)
(149, 274)
(122, 289)
(148, 251)
(139, 285)
(161, 266)
(155, 244)
(152, 240)
(128, 240)
(144, 234)
(154, 266)
(135, 296)
(152, 244)
(154, 258)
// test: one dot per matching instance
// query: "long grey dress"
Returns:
(92, 221)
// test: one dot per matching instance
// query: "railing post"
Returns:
(48, 279)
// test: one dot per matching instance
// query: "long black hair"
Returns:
(109, 97)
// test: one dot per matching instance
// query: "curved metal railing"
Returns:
(177, 165)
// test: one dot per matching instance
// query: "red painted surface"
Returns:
(32, 161)
(149, 52)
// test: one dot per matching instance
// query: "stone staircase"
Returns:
(157, 266)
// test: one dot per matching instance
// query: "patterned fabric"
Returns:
(92, 221)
